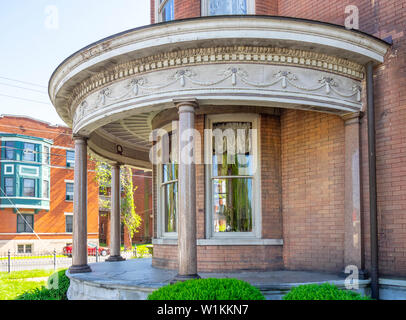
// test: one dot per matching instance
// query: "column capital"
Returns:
(187, 105)
(116, 164)
(351, 118)
(79, 137)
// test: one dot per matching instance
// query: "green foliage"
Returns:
(325, 291)
(56, 289)
(208, 289)
(128, 215)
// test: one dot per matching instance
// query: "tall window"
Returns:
(10, 150)
(9, 187)
(68, 223)
(225, 7)
(45, 189)
(45, 155)
(29, 152)
(232, 178)
(28, 188)
(166, 10)
(70, 158)
(25, 223)
(169, 191)
(69, 191)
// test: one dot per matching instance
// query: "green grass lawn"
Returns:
(16, 283)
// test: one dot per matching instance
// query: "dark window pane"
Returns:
(69, 191)
(25, 223)
(232, 205)
(70, 158)
(10, 150)
(28, 188)
(69, 223)
(9, 186)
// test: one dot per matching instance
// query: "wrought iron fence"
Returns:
(14, 261)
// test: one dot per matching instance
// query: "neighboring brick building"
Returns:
(36, 201)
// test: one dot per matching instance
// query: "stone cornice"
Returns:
(235, 54)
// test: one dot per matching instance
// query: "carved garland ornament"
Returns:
(245, 54)
(232, 74)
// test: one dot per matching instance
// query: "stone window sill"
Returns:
(224, 242)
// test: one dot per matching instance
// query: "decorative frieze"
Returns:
(199, 56)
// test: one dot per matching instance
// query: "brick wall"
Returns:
(381, 19)
(223, 258)
(266, 7)
(313, 190)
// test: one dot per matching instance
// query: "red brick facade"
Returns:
(50, 225)
(311, 189)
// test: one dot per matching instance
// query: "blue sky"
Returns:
(37, 35)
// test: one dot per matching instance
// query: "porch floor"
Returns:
(136, 278)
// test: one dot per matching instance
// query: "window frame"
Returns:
(66, 191)
(205, 8)
(14, 186)
(70, 163)
(161, 233)
(158, 10)
(11, 149)
(33, 152)
(70, 216)
(256, 232)
(23, 187)
(24, 216)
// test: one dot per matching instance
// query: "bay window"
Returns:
(168, 184)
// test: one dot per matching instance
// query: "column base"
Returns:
(80, 269)
(115, 259)
(182, 278)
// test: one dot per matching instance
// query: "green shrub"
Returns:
(56, 289)
(208, 289)
(325, 291)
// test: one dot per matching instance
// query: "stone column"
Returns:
(187, 249)
(353, 254)
(115, 216)
(79, 250)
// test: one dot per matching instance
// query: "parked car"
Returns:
(91, 250)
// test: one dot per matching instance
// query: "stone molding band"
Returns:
(191, 57)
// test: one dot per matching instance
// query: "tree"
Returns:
(128, 215)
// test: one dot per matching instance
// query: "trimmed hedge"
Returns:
(57, 287)
(325, 291)
(208, 289)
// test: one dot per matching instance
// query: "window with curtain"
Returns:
(29, 152)
(46, 155)
(70, 158)
(222, 7)
(45, 189)
(68, 223)
(232, 177)
(169, 190)
(166, 10)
